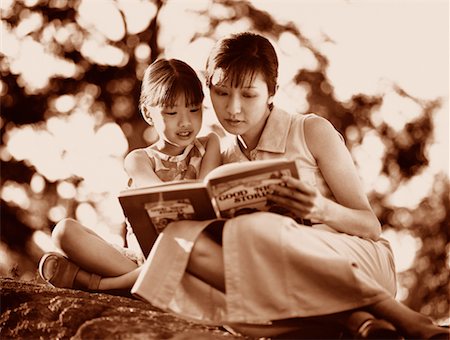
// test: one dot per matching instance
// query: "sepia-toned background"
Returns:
(70, 82)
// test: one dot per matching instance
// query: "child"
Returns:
(171, 101)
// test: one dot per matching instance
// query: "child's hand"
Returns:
(300, 197)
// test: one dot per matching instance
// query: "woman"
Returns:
(263, 273)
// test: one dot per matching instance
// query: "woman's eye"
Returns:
(221, 93)
(248, 95)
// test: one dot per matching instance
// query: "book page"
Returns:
(247, 194)
(241, 167)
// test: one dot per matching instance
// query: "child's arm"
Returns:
(139, 167)
(212, 158)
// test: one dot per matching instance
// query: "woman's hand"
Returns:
(301, 198)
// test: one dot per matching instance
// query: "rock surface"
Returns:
(31, 310)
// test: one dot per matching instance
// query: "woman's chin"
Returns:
(234, 129)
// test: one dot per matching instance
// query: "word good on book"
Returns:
(229, 190)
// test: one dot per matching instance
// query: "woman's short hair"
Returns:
(165, 80)
(240, 57)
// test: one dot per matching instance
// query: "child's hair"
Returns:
(240, 56)
(165, 80)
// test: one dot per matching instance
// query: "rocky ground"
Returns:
(35, 310)
(31, 310)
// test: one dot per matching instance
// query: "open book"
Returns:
(227, 191)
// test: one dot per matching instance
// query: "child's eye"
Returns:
(195, 109)
(170, 113)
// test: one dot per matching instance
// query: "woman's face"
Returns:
(242, 110)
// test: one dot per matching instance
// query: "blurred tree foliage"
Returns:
(115, 92)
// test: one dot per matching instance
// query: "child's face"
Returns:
(241, 110)
(177, 125)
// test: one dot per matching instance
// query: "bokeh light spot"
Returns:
(404, 246)
(86, 215)
(16, 194)
(142, 52)
(57, 213)
(64, 103)
(66, 190)
(37, 183)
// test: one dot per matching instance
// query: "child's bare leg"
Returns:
(119, 282)
(88, 250)
(94, 255)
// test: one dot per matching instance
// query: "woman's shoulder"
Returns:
(319, 132)
(321, 126)
(314, 125)
(317, 123)
(308, 118)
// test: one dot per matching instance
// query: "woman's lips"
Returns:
(234, 122)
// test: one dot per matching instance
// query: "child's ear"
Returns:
(146, 115)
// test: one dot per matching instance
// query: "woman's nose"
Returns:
(233, 105)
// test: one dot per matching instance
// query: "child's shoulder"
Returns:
(212, 136)
(135, 157)
(210, 143)
(136, 153)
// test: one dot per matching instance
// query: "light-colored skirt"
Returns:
(274, 269)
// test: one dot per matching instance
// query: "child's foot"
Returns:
(60, 272)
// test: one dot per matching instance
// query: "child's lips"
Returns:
(184, 133)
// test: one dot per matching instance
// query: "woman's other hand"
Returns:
(300, 197)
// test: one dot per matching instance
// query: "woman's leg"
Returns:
(94, 255)
(206, 262)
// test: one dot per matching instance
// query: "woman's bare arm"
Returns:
(351, 213)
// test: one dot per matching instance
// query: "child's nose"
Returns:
(185, 120)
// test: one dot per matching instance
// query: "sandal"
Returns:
(57, 270)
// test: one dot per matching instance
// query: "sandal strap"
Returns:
(94, 282)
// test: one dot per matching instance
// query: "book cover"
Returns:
(148, 210)
(229, 190)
